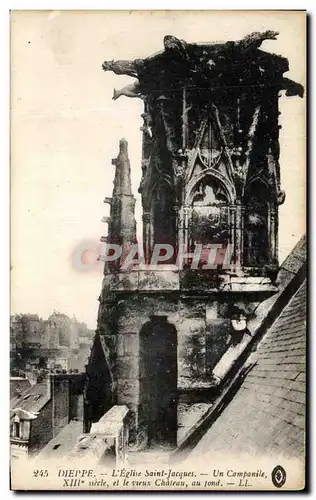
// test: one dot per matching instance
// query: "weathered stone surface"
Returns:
(124, 281)
(128, 390)
(203, 281)
(120, 345)
(130, 319)
(157, 305)
(251, 280)
(191, 326)
(192, 308)
(252, 284)
(283, 278)
(131, 344)
(217, 335)
(260, 313)
(174, 317)
(111, 422)
(158, 280)
(191, 356)
(127, 367)
(211, 312)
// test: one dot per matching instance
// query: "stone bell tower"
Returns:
(210, 190)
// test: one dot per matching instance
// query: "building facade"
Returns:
(38, 414)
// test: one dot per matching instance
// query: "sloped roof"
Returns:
(18, 385)
(32, 400)
(264, 401)
(267, 413)
(291, 274)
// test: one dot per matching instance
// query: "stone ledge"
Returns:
(111, 422)
(168, 278)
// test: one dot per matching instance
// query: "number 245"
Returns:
(40, 473)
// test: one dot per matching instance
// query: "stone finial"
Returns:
(121, 222)
(123, 146)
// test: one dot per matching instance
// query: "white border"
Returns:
(4, 172)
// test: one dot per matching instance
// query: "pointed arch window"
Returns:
(209, 221)
(256, 224)
(163, 217)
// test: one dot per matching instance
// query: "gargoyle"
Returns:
(133, 67)
(255, 39)
(132, 90)
(281, 197)
(292, 88)
(123, 67)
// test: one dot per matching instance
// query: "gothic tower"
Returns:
(210, 191)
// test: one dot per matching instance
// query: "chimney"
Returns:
(49, 385)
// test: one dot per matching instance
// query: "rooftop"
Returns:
(32, 400)
(204, 66)
(267, 414)
(18, 385)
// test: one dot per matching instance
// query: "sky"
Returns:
(65, 130)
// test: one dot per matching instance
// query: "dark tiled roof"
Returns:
(291, 274)
(31, 400)
(18, 385)
(267, 414)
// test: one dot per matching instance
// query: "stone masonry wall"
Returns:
(201, 340)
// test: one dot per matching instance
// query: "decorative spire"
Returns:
(122, 180)
(121, 222)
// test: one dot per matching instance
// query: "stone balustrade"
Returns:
(107, 442)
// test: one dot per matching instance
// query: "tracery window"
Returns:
(209, 221)
(210, 215)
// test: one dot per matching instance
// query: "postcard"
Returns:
(158, 250)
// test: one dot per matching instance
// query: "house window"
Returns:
(16, 429)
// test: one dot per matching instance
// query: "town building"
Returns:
(54, 343)
(39, 413)
(105, 445)
(18, 385)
